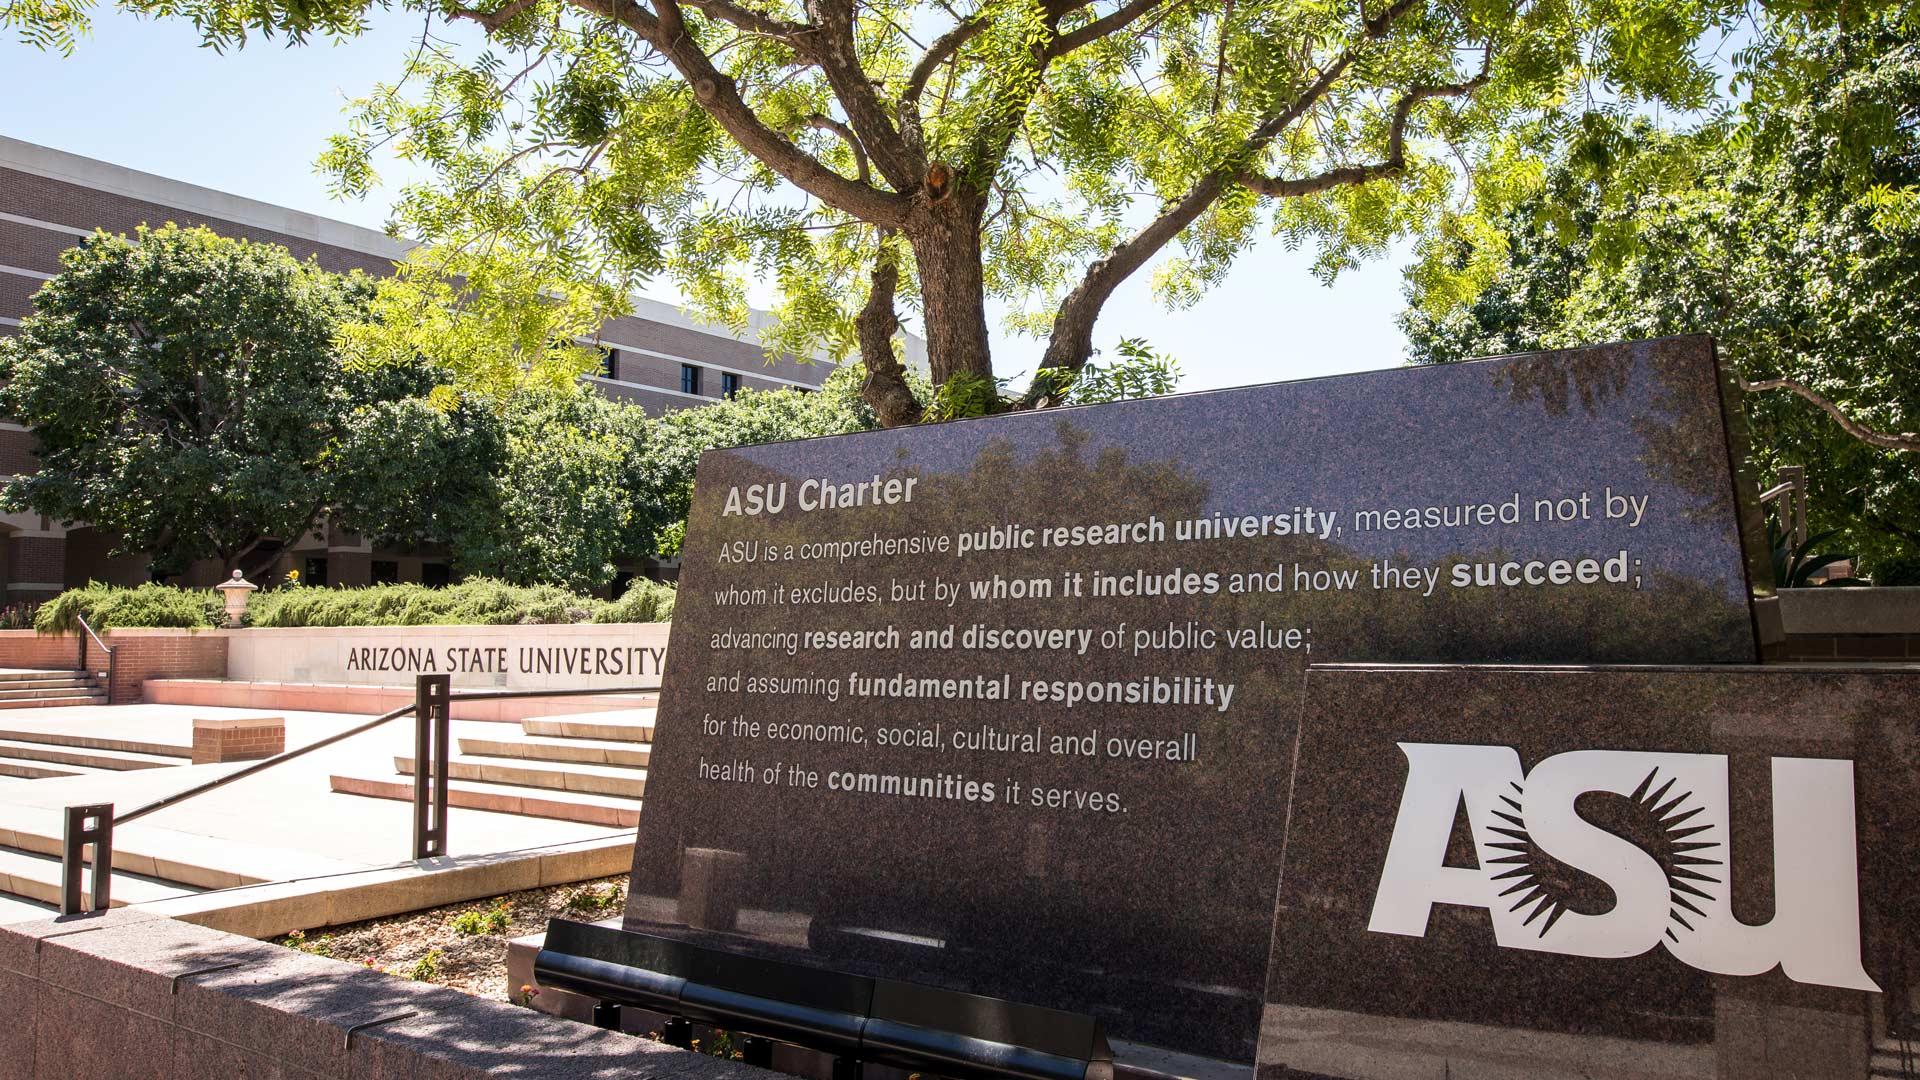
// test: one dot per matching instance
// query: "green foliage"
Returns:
(493, 920)
(644, 601)
(321, 946)
(427, 968)
(1037, 156)
(751, 417)
(1140, 372)
(562, 507)
(474, 602)
(1896, 570)
(47, 24)
(1776, 227)
(108, 606)
(1795, 564)
(184, 395)
(596, 899)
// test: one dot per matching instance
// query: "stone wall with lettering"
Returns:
(539, 657)
(1008, 705)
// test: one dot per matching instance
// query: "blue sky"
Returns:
(145, 95)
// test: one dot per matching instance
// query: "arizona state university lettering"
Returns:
(499, 659)
(1666, 861)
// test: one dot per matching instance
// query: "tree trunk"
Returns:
(885, 388)
(946, 246)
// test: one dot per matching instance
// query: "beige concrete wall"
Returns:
(582, 656)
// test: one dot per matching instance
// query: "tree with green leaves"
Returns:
(889, 158)
(184, 394)
(1785, 228)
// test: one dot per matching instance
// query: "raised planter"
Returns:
(1848, 624)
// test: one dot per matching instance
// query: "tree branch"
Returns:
(1112, 22)
(1904, 441)
(751, 21)
(828, 123)
(1072, 339)
(1392, 165)
(492, 21)
(717, 94)
(831, 44)
(938, 53)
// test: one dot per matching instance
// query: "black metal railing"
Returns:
(92, 825)
(87, 634)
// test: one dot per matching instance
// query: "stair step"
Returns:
(580, 779)
(612, 727)
(8, 675)
(37, 877)
(578, 751)
(36, 770)
(55, 754)
(14, 909)
(44, 687)
(98, 742)
(506, 799)
(50, 702)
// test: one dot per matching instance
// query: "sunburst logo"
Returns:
(1660, 821)
(1610, 854)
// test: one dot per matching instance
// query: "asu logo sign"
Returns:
(1607, 853)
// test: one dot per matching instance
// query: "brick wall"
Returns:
(245, 738)
(140, 655)
(127, 995)
(37, 559)
(16, 453)
(27, 649)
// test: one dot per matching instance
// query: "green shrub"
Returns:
(473, 602)
(644, 601)
(494, 920)
(108, 606)
(1896, 570)
(427, 968)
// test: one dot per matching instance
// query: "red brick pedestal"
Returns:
(243, 738)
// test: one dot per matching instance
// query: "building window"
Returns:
(435, 574)
(729, 384)
(316, 572)
(689, 379)
(385, 572)
(610, 364)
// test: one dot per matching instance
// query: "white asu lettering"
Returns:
(1670, 884)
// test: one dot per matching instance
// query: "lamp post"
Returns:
(234, 593)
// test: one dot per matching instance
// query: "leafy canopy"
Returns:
(1782, 227)
(913, 158)
(184, 395)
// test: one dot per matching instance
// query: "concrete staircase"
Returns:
(27, 688)
(34, 754)
(589, 768)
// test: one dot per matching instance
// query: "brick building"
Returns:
(658, 357)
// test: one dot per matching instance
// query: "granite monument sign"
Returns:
(1010, 705)
(1597, 874)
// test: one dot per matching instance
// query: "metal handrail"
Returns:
(257, 767)
(1793, 512)
(267, 763)
(87, 632)
(93, 825)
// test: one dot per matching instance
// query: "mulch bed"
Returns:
(462, 946)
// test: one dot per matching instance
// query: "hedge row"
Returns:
(473, 602)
